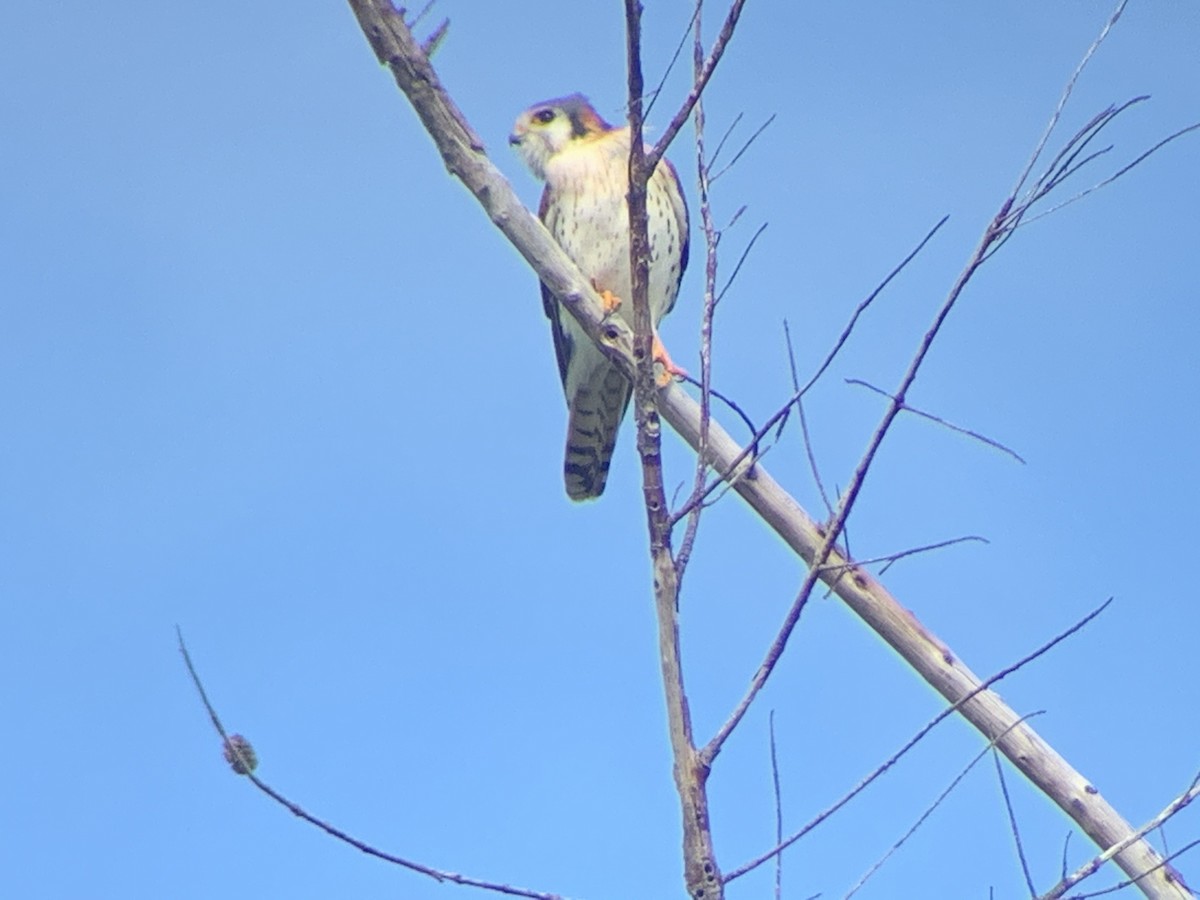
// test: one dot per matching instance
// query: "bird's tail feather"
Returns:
(592, 433)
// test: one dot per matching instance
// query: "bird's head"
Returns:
(550, 127)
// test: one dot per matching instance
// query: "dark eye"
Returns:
(545, 116)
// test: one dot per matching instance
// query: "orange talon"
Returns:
(610, 301)
(669, 369)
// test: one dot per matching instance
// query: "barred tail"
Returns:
(596, 412)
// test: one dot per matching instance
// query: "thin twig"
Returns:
(741, 259)
(1135, 882)
(430, 45)
(653, 98)
(983, 439)
(295, 809)
(913, 741)
(746, 146)
(941, 798)
(1012, 824)
(1111, 178)
(1066, 95)
(716, 491)
(711, 239)
(892, 558)
(701, 82)
(808, 446)
(728, 401)
(416, 20)
(721, 143)
(778, 807)
(865, 304)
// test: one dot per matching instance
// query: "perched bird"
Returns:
(585, 164)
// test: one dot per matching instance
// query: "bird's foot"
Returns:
(610, 301)
(669, 370)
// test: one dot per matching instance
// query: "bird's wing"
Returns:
(667, 172)
(563, 342)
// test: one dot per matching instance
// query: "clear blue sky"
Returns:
(268, 373)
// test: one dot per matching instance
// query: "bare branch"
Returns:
(711, 239)
(891, 559)
(1066, 95)
(990, 748)
(745, 147)
(725, 137)
(734, 408)
(866, 303)
(653, 98)
(830, 534)
(808, 446)
(979, 690)
(233, 746)
(741, 259)
(1111, 178)
(983, 439)
(701, 874)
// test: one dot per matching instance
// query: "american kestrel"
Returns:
(585, 164)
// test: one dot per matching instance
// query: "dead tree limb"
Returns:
(462, 152)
